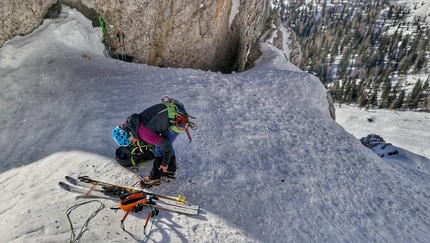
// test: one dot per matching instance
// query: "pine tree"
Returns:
(394, 94)
(385, 97)
(341, 93)
(362, 100)
(420, 62)
(354, 90)
(390, 12)
(349, 98)
(426, 86)
(344, 62)
(398, 103)
(415, 96)
(404, 65)
(373, 100)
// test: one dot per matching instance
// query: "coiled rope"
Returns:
(73, 237)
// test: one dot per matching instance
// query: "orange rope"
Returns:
(181, 119)
(186, 123)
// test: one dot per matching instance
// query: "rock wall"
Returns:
(165, 33)
(331, 108)
(19, 17)
(378, 145)
(249, 24)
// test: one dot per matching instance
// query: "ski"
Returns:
(84, 181)
(95, 192)
(116, 192)
(86, 192)
(111, 191)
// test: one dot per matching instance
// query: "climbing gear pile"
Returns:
(178, 116)
(130, 201)
(134, 203)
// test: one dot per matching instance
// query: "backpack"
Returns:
(132, 156)
(133, 201)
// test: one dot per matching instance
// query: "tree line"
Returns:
(363, 50)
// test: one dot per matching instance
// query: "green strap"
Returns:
(102, 24)
(171, 112)
(154, 213)
(135, 150)
(132, 161)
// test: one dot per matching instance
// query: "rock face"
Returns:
(216, 35)
(331, 108)
(167, 33)
(21, 17)
(253, 19)
(377, 144)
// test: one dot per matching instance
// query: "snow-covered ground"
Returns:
(267, 164)
(406, 130)
(418, 8)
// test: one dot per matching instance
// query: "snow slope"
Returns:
(405, 130)
(266, 164)
(418, 8)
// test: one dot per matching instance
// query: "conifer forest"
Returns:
(372, 53)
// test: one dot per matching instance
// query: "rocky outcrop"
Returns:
(249, 25)
(216, 35)
(211, 35)
(167, 33)
(331, 108)
(296, 50)
(21, 17)
(274, 25)
(377, 144)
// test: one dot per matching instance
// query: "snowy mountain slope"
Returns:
(266, 164)
(418, 8)
(407, 131)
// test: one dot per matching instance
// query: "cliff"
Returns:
(215, 35)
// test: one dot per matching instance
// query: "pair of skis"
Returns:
(86, 186)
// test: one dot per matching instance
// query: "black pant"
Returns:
(156, 173)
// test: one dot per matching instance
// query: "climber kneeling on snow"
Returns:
(159, 125)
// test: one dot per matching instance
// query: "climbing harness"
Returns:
(73, 237)
(134, 203)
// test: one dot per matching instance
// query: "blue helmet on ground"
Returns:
(120, 135)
